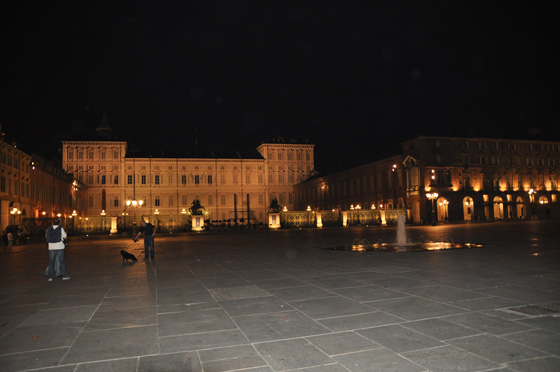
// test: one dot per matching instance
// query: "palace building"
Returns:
(237, 190)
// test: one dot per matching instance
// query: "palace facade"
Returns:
(230, 189)
(448, 179)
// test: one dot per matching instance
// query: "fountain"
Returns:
(402, 244)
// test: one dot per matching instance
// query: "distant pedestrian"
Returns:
(10, 239)
(56, 237)
(149, 231)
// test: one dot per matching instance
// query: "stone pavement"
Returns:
(282, 301)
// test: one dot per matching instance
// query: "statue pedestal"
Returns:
(113, 225)
(383, 220)
(197, 223)
(319, 220)
(274, 220)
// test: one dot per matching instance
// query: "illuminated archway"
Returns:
(442, 209)
(543, 200)
(521, 210)
(468, 208)
(498, 208)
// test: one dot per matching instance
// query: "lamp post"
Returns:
(14, 212)
(433, 196)
(133, 203)
(74, 214)
(103, 214)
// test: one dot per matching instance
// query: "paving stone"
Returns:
(398, 338)
(415, 308)
(32, 359)
(114, 343)
(292, 354)
(342, 343)
(377, 360)
(449, 358)
(170, 363)
(267, 327)
(360, 321)
(495, 348)
(121, 365)
(540, 339)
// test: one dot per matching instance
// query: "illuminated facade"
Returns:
(238, 190)
(33, 190)
(464, 179)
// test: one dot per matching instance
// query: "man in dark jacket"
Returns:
(149, 231)
(56, 236)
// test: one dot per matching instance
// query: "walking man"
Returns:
(149, 231)
(10, 239)
(56, 236)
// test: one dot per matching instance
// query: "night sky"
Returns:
(355, 78)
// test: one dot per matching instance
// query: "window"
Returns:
(222, 179)
(197, 179)
(247, 178)
(260, 178)
(156, 179)
(170, 179)
(103, 154)
(184, 199)
(129, 179)
(210, 179)
(143, 179)
(103, 179)
(156, 201)
(115, 202)
(184, 179)
(235, 178)
(170, 200)
(210, 200)
(70, 155)
(115, 155)
(116, 180)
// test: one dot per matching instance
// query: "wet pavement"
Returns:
(286, 301)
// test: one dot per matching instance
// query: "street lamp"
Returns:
(74, 214)
(433, 196)
(15, 211)
(103, 214)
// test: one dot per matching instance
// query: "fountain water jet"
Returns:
(401, 230)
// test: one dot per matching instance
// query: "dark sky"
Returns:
(353, 77)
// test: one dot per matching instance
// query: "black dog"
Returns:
(127, 256)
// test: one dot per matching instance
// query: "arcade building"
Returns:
(438, 179)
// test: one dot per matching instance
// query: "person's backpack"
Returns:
(54, 235)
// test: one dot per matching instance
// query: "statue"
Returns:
(196, 208)
(274, 206)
